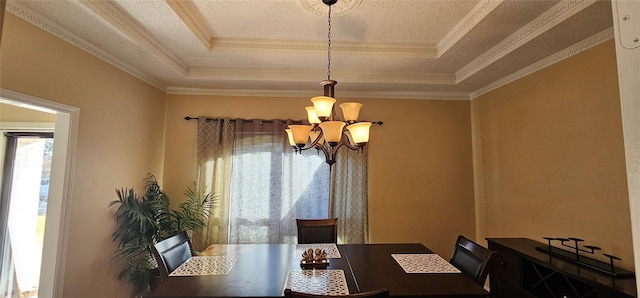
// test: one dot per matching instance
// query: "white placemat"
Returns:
(330, 248)
(319, 282)
(206, 265)
(424, 263)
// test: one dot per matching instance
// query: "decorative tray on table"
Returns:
(314, 260)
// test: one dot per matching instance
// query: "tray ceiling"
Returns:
(425, 49)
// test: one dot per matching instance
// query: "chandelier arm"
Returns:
(328, 151)
(331, 152)
(345, 141)
(306, 147)
(322, 148)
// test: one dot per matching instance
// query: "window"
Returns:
(262, 185)
(23, 211)
(271, 187)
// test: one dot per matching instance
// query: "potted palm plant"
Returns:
(141, 221)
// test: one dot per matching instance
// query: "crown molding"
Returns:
(112, 14)
(408, 95)
(472, 19)
(307, 93)
(250, 74)
(555, 15)
(419, 51)
(285, 75)
(586, 44)
(63, 34)
(184, 11)
(401, 77)
(239, 92)
(407, 50)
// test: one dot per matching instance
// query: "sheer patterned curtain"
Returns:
(214, 160)
(271, 186)
(262, 186)
(351, 196)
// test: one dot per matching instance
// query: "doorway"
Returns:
(23, 209)
(64, 125)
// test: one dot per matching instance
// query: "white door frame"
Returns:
(54, 251)
(626, 17)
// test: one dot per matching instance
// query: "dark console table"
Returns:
(520, 270)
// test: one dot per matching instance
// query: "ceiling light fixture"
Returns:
(327, 132)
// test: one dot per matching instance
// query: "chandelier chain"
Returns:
(329, 47)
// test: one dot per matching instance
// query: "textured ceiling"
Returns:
(425, 49)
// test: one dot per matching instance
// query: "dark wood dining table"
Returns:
(261, 270)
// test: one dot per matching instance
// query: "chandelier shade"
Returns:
(351, 111)
(359, 132)
(312, 116)
(332, 131)
(292, 142)
(323, 105)
(300, 134)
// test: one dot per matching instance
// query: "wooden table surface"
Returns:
(261, 270)
(374, 268)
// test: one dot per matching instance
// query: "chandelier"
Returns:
(327, 132)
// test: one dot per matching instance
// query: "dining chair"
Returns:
(170, 253)
(317, 230)
(380, 293)
(472, 259)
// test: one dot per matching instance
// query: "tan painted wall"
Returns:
(420, 189)
(551, 156)
(120, 139)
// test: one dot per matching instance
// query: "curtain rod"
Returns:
(245, 120)
(188, 118)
